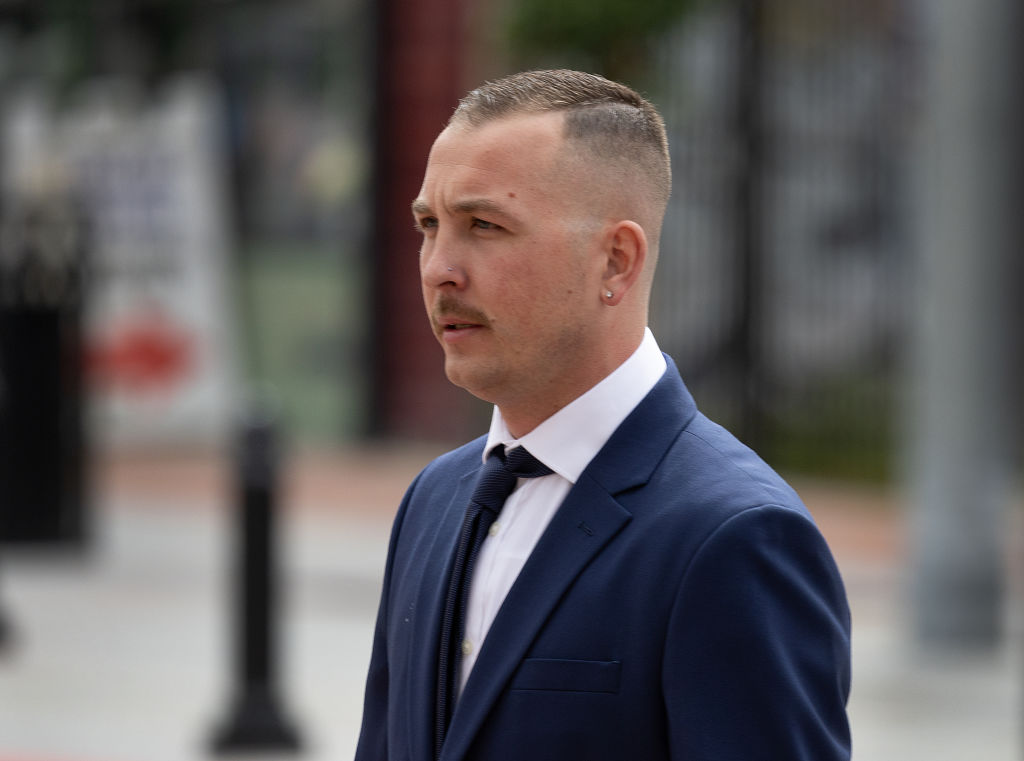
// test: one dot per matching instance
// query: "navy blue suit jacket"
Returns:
(681, 605)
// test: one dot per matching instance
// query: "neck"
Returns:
(523, 415)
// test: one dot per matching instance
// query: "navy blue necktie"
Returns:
(496, 482)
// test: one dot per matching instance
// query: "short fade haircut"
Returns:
(614, 122)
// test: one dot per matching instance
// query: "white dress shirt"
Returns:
(566, 442)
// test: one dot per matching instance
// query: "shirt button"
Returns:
(467, 647)
(494, 529)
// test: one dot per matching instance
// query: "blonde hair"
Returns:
(613, 123)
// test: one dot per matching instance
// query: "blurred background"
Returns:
(216, 380)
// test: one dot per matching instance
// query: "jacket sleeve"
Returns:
(757, 660)
(373, 733)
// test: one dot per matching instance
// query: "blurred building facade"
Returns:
(784, 285)
(218, 151)
(785, 290)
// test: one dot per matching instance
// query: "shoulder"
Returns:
(432, 490)
(720, 468)
(465, 457)
(451, 466)
(668, 457)
(708, 485)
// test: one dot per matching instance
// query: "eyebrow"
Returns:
(467, 206)
(472, 205)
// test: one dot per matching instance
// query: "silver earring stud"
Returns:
(608, 294)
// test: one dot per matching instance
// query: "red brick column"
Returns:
(419, 79)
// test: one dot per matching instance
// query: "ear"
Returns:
(626, 249)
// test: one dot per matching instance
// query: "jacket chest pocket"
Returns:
(559, 675)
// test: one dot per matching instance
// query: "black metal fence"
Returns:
(783, 279)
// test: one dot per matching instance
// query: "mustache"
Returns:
(449, 307)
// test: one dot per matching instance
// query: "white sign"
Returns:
(160, 363)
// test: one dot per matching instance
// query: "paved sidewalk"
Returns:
(123, 655)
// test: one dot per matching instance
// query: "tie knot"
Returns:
(498, 478)
(522, 464)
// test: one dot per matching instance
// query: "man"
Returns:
(661, 593)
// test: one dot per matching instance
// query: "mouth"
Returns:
(452, 328)
(453, 319)
(456, 320)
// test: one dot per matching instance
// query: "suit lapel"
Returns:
(422, 685)
(582, 527)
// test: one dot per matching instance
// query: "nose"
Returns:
(439, 268)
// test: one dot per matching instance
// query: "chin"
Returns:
(477, 381)
(457, 373)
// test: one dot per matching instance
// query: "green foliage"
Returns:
(842, 429)
(612, 37)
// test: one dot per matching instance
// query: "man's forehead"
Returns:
(531, 125)
(505, 166)
(528, 147)
(506, 150)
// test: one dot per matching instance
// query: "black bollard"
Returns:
(42, 435)
(257, 721)
(6, 632)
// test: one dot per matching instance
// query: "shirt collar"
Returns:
(568, 440)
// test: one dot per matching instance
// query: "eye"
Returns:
(425, 223)
(483, 224)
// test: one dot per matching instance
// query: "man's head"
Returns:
(607, 126)
(540, 210)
